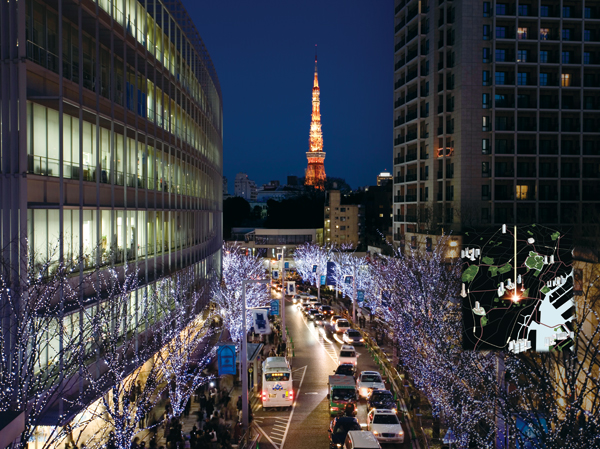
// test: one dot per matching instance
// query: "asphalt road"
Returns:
(305, 425)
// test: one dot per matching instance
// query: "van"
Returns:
(361, 439)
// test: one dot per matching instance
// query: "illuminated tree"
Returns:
(358, 271)
(311, 262)
(227, 294)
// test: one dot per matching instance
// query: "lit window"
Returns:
(565, 80)
(566, 11)
(500, 78)
(543, 79)
(522, 192)
(544, 34)
(500, 55)
(380, 215)
(486, 77)
(587, 35)
(522, 78)
(522, 33)
(566, 34)
(486, 32)
(485, 122)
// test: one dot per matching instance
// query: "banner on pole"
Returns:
(261, 321)
(226, 359)
(287, 265)
(275, 274)
(360, 297)
(274, 307)
(314, 268)
(330, 273)
(291, 288)
(348, 279)
(323, 278)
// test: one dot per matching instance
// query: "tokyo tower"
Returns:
(315, 173)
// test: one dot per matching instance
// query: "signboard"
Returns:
(291, 288)
(323, 278)
(226, 359)
(360, 296)
(348, 280)
(260, 321)
(330, 273)
(314, 268)
(287, 265)
(278, 256)
(275, 274)
(274, 307)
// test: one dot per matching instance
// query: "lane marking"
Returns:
(293, 408)
(267, 436)
(318, 341)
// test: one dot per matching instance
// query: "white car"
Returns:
(369, 381)
(385, 426)
(342, 325)
(297, 299)
(347, 354)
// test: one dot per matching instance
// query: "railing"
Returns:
(411, 136)
(411, 116)
(440, 174)
(411, 156)
(424, 155)
(398, 179)
(411, 218)
(398, 217)
(398, 198)
(399, 121)
(411, 177)
(399, 140)
(411, 199)
(398, 160)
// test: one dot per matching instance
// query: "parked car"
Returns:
(385, 426)
(353, 337)
(339, 428)
(382, 399)
(369, 381)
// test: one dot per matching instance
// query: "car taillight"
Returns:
(291, 395)
(264, 395)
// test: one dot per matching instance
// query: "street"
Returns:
(305, 425)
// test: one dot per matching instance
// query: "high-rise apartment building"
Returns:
(342, 225)
(110, 141)
(496, 114)
(245, 187)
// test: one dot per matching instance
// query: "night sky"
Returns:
(263, 52)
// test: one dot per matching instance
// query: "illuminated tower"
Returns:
(315, 173)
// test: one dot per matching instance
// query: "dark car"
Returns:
(306, 308)
(339, 428)
(312, 313)
(319, 319)
(382, 399)
(326, 310)
(346, 369)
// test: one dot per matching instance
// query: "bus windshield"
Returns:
(343, 394)
(277, 377)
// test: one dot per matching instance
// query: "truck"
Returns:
(341, 392)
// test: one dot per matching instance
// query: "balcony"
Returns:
(440, 174)
(400, 83)
(411, 116)
(411, 156)
(398, 217)
(399, 121)
(398, 179)
(440, 196)
(399, 64)
(399, 102)
(399, 140)
(410, 177)
(411, 198)
(398, 160)
(411, 136)
(411, 218)
(398, 198)
(397, 236)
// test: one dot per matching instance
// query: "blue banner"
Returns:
(385, 298)
(314, 268)
(275, 307)
(323, 279)
(330, 273)
(275, 274)
(226, 359)
(360, 297)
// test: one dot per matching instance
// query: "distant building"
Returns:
(341, 221)
(244, 187)
(293, 181)
(384, 178)
(225, 187)
(269, 242)
(272, 185)
(378, 213)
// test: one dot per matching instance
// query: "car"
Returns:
(326, 310)
(334, 318)
(361, 439)
(385, 426)
(369, 381)
(341, 325)
(346, 369)
(347, 354)
(339, 428)
(353, 337)
(306, 308)
(382, 399)
(297, 299)
(311, 314)
(319, 319)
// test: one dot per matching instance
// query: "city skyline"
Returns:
(356, 72)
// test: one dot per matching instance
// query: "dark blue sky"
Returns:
(263, 52)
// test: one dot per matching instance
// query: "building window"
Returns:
(343, 209)
(566, 57)
(522, 55)
(523, 10)
(485, 146)
(586, 57)
(485, 101)
(565, 80)
(544, 34)
(485, 169)
(522, 33)
(544, 11)
(587, 35)
(486, 77)
(486, 9)
(486, 32)
(486, 55)
(566, 11)
(500, 55)
(342, 228)
(500, 9)
(522, 192)
(485, 192)
(501, 32)
(501, 101)
(543, 79)
(522, 78)
(587, 13)
(500, 78)
(485, 123)
(543, 57)
(566, 34)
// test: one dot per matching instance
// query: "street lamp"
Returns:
(283, 292)
(245, 352)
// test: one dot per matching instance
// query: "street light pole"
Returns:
(283, 291)
(354, 295)
(245, 352)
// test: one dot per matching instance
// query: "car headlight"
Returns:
(362, 339)
(375, 432)
(339, 445)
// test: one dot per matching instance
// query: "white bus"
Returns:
(277, 388)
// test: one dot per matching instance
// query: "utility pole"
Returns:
(245, 352)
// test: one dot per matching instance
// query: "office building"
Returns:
(245, 187)
(341, 220)
(118, 157)
(496, 114)
(384, 177)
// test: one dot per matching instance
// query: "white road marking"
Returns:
(293, 408)
(321, 343)
(267, 436)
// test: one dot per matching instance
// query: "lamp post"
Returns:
(245, 352)
(283, 292)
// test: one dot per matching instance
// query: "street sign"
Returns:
(314, 268)
(360, 296)
(330, 273)
(287, 265)
(226, 359)
(323, 278)
(278, 256)
(348, 280)
(291, 288)
(275, 307)
(275, 274)
(261, 321)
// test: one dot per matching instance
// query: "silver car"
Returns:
(353, 337)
